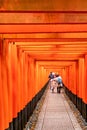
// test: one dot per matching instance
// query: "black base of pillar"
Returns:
(79, 104)
(11, 126)
(84, 111)
(15, 123)
(20, 121)
(72, 96)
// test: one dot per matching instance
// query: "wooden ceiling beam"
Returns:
(21, 28)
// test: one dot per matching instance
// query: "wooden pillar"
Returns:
(9, 83)
(2, 120)
(67, 76)
(4, 84)
(63, 75)
(80, 86)
(70, 77)
(74, 78)
(73, 85)
(84, 89)
(14, 80)
(85, 82)
(37, 75)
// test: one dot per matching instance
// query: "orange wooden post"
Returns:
(74, 77)
(9, 78)
(80, 83)
(37, 75)
(67, 76)
(19, 80)
(85, 82)
(23, 79)
(77, 79)
(81, 77)
(40, 79)
(84, 89)
(45, 78)
(30, 78)
(63, 74)
(14, 80)
(77, 75)
(70, 77)
(4, 84)
(47, 73)
(42, 76)
(29, 89)
(26, 78)
(33, 76)
(73, 83)
(2, 125)
(21, 74)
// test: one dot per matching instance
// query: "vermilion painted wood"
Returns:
(85, 82)
(74, 78)
(2, 122)
(31, 17)
(19, 29)
(9, 80)
(5, 85)
(81, 79)
(26, 63)
(14, 81)
(19, 82)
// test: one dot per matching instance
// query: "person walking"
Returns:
(58, 78)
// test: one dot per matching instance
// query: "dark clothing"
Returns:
(59, 87)
(51, 76)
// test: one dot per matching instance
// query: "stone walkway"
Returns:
(53, 112)
(56, 114)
